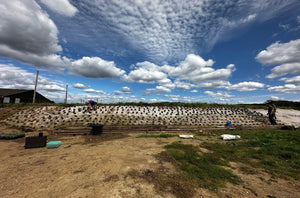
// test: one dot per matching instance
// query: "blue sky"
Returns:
(130, 51)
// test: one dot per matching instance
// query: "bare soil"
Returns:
(114, 165)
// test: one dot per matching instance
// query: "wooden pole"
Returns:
(36, 81)
(66, 98)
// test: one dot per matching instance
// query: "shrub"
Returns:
(9, 136)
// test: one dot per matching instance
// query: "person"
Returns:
(91, 105)
(272, 113)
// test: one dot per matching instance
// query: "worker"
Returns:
(91, 105)
(272, 113)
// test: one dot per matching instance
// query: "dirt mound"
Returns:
(52, 117)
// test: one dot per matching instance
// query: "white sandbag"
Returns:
(186, 136)
(230, 137)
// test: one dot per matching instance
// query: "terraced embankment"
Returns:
(53, 117)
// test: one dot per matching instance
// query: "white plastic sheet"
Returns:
(186, 136)
(230, 137)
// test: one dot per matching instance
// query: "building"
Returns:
(21, 96)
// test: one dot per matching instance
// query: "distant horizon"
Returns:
(226, 52)
(160, 102)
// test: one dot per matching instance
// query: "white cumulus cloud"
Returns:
(246, 86)
(118, 92)
(198, 71)
(194, 71)
(126, 90)
(191, 64)
(288, 88)
(275, 98)
(90, 90)
(157, 89)
(284, 69)
(213, 84)
(95, 67)
(145, 72)
(28, 34)
(284, 55)
(63, 7)
(293, 80)
(183, 85)
(52, 88)
(218, 94)
(79, 86)
(17, 78)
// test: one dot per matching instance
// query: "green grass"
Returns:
(8, 136)
(157, 136)
(277, 152)
(206, 169)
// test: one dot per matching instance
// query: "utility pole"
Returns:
(36, 81)
(66, 94)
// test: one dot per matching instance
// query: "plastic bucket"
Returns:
(97, 129)
(228, 124)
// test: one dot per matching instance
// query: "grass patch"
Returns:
(275, 151)
(204, 168)
(157, 136)
(9, 136)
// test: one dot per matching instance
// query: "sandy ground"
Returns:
(99, 166)
(285, 116)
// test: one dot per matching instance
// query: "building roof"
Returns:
(9, 92)
(24, 94)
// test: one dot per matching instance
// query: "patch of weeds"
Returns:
(178, 184)
(157, 136)
(204, 168)
(272, 179)
(247, 170)
(275, 151)
(9, 136)
(261, 178)
(112, 178)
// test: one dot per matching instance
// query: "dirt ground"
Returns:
(100, 166)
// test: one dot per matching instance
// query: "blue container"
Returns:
(228, 124)
(53, 144)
